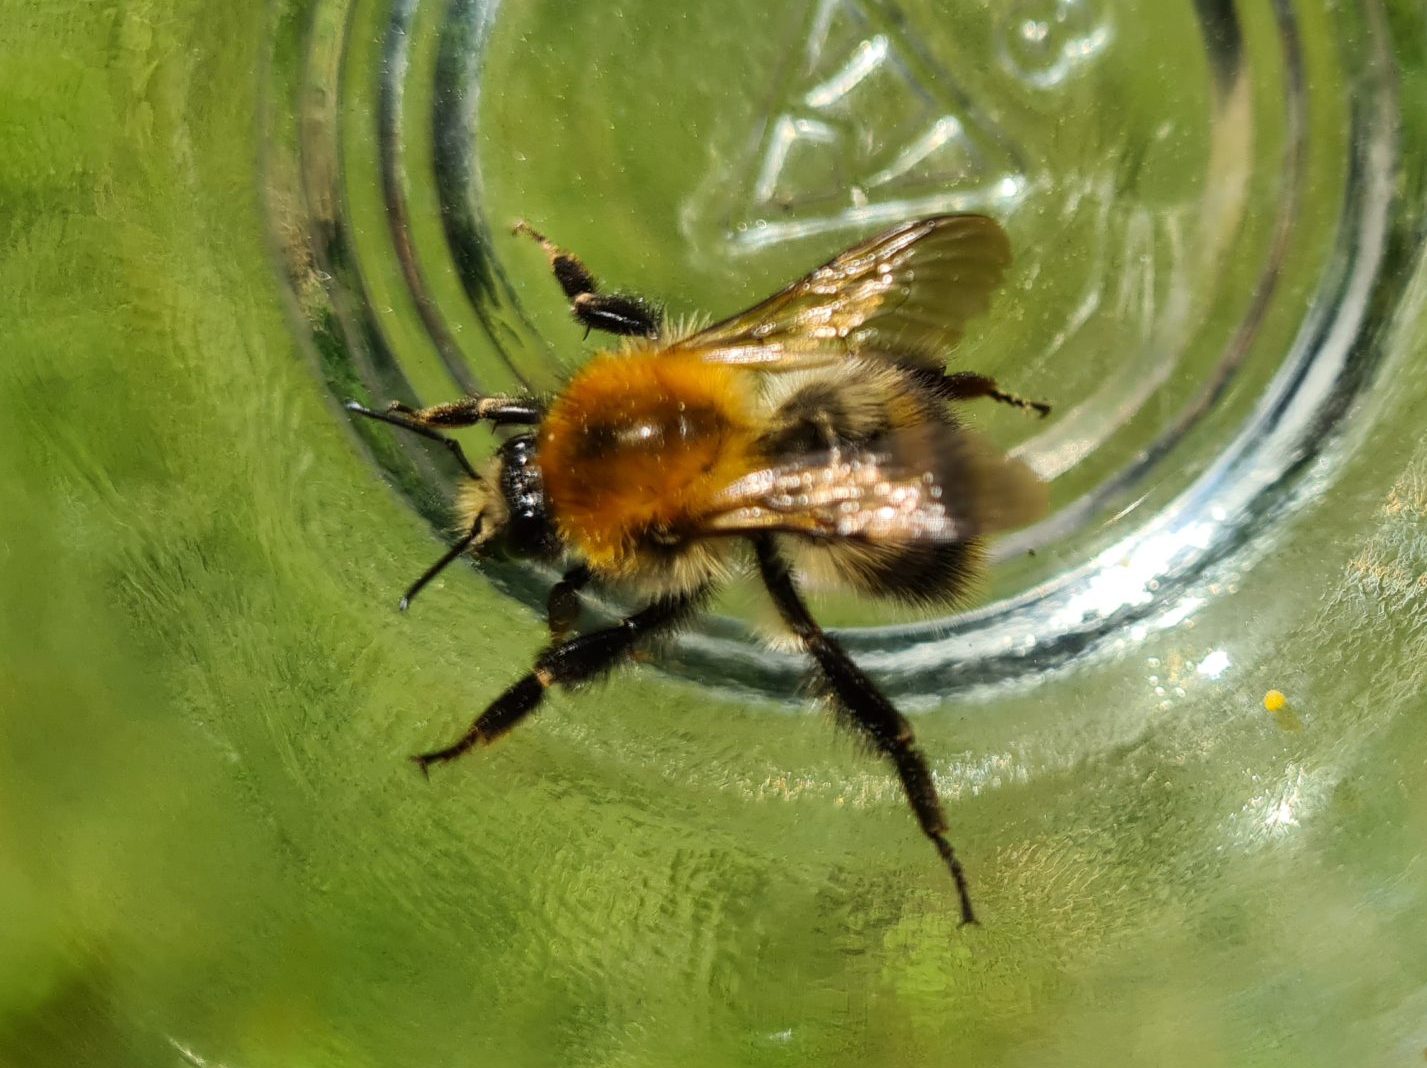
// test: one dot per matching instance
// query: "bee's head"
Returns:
(509, 503)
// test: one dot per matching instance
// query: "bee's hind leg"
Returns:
(968, 385)
(865, 709)
(614, 313)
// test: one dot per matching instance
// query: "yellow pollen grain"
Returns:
(1274, 701)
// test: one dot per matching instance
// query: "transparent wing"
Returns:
(930, 483)
(906, 293)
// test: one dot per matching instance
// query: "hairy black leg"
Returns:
(614, 313)
(563, 606)
(401, 420)
(468, 411)
(967, 385)
(867, 710)
(564, 664)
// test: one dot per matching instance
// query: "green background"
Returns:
(213, 851)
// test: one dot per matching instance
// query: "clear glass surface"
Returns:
(222, 220)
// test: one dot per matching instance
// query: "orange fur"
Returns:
(637, 445)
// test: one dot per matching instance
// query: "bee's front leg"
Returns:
(563, 606)
(396, 415)
(468, 411)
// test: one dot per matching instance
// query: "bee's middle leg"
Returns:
(613, 313)
(567, 663)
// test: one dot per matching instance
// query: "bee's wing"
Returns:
(906, 293)
(933, 483)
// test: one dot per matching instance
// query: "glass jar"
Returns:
(1178, 736)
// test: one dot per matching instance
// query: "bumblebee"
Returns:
(815, 429)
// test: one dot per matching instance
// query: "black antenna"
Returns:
(447, 558)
